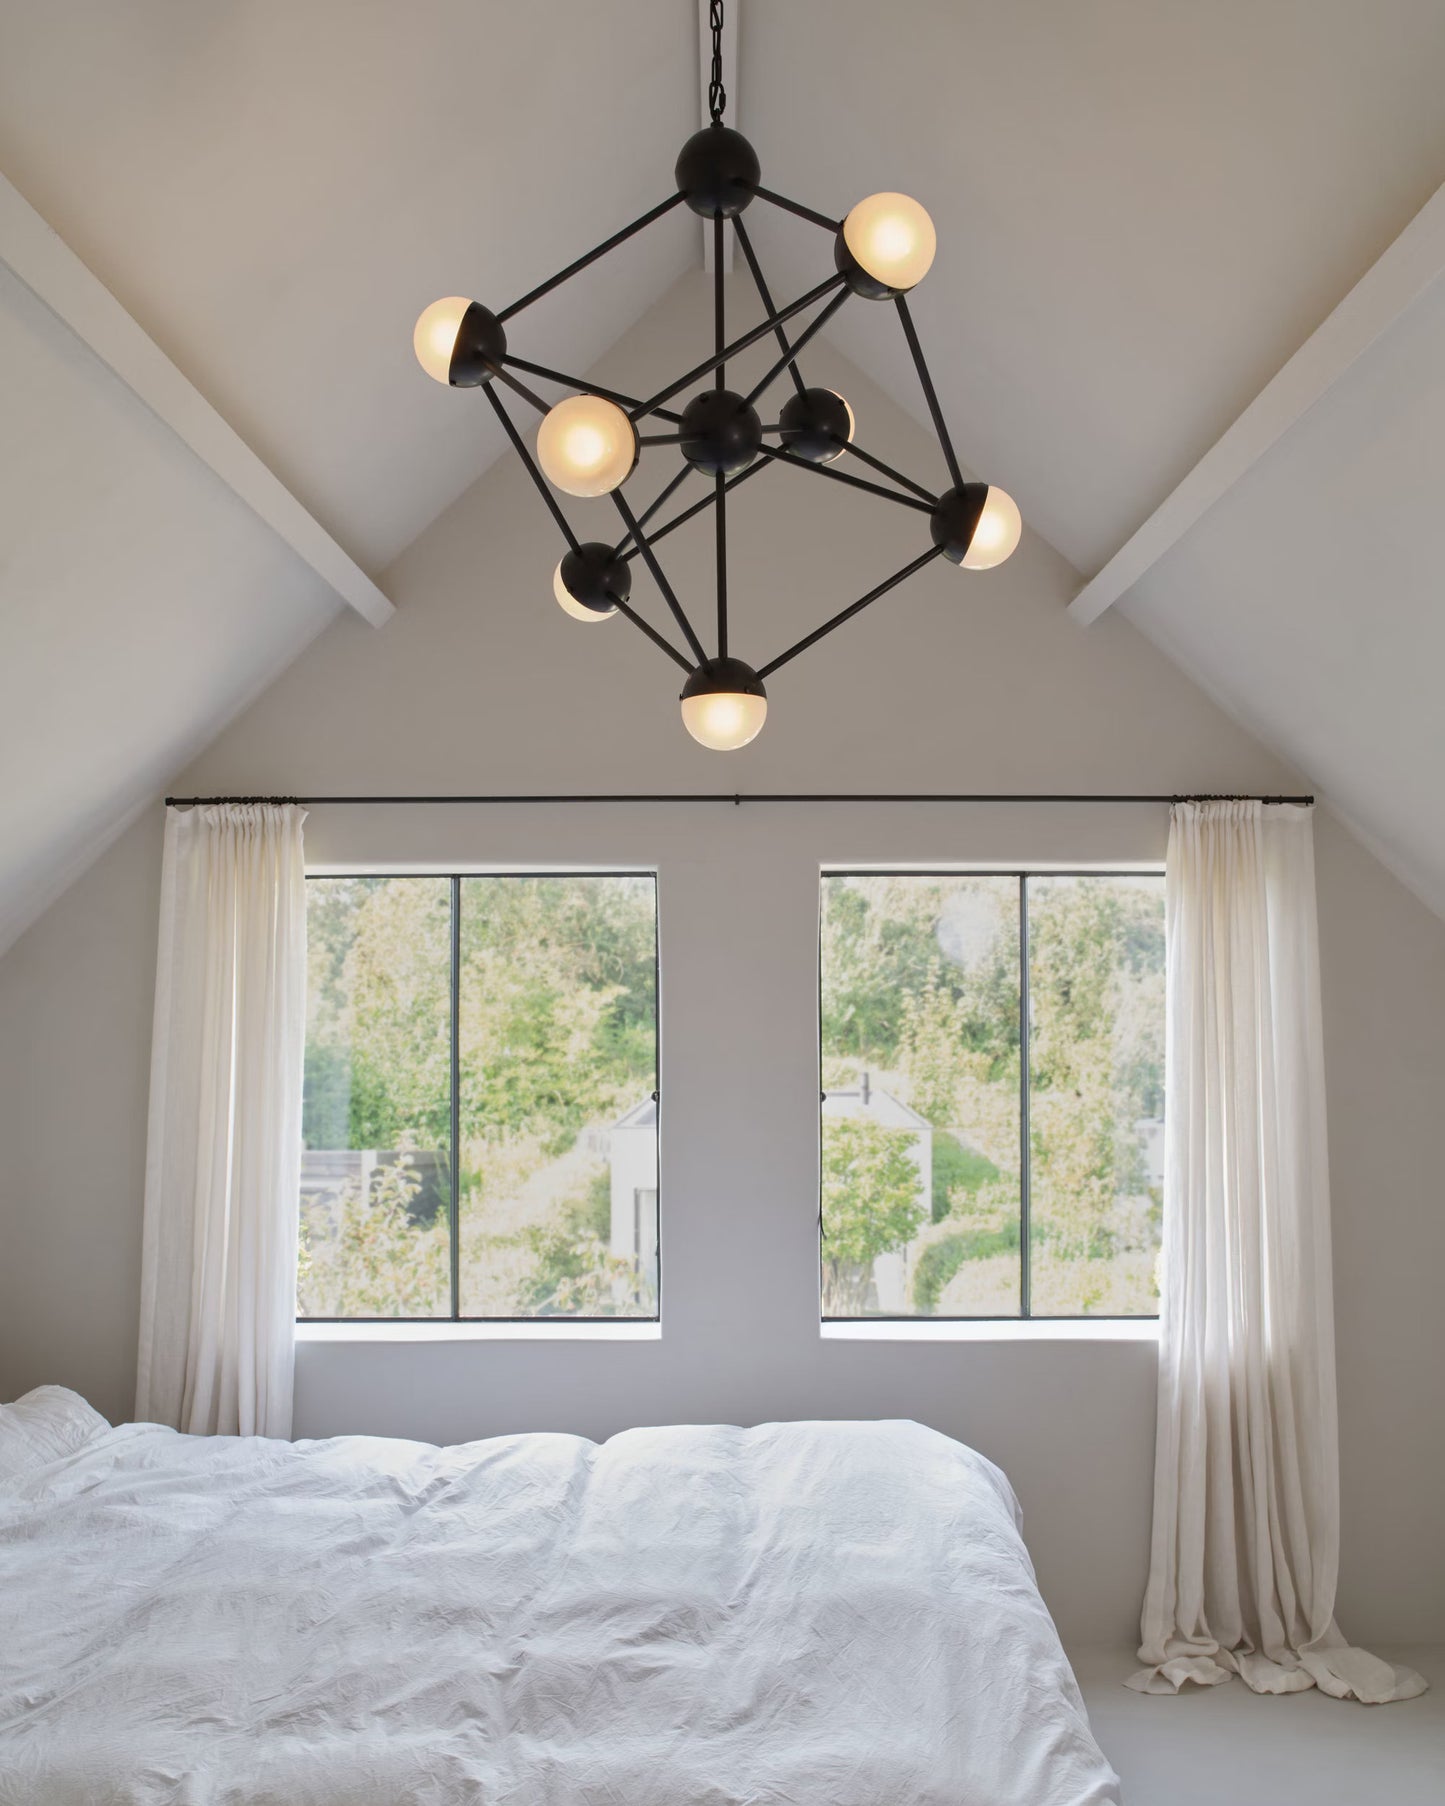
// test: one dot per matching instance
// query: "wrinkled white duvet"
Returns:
(822, 1614)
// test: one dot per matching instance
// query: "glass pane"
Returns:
(920, 1032)
(558, 1037)
(376, 1119)
(1096, 1100)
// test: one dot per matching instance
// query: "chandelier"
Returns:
(590, 442)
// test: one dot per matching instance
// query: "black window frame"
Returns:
(1021, 874)
(454, 881)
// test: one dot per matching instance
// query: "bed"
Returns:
(800, 1614)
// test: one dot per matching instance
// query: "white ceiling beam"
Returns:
(1387, 290)
(47, 266)
(730, 82)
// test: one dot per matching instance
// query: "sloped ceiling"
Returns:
(1142, 210)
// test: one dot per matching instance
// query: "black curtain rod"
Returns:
(737, 798)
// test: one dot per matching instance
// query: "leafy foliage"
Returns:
(556, 1038)
(870, 1206)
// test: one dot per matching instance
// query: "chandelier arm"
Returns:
(721, 491)
(652, 507)
(760, 331)
(719, 325)
(887, 470)
(767, 300)
(659, 438)
(625, 608)
(688, 514)
(583, 387)
(520, 388)
(842, 476)
(847, 614)
(807, 333)
(630, 521)
(930, 395)
(520, 447)
(608, 244)
(811, 213)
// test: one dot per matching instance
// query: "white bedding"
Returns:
(816, 1614)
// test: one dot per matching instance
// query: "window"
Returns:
(480, 1112)
(961, 1177)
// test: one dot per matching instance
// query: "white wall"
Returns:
(481, 684)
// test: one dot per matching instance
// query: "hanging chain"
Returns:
(717, 94)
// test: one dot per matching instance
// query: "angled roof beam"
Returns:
(47, 266)
(1387, 290)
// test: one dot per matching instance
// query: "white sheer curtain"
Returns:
(1246, 1486)
(218, 1286)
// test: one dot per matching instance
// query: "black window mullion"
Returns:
(454, 1062)
(1025, 1236)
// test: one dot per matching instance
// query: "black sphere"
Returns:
(717, 171)
(814, 425)
(481, 345)
(723, 676)
(593, 575)
(720, 431)
(856, 277)
(955, 520)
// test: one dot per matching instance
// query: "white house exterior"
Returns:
(632, 1151)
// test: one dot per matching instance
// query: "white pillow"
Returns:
(46, 1425)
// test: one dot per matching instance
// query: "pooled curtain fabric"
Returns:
(218, 1285)
(1246, 1536)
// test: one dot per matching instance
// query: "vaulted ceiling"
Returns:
(1143, 211)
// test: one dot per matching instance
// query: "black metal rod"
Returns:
(617, 238)
(721, 491)
(520, 388)
(719, 329)
(734, 797)
(651, 509)
(630, 521)
(848, 613)
(631, 614)
(929, 393)
(707, 501)
(543, 486)
(659, 438)
(888, 471)
(582, 386)
(766, 298)
(454, 1065)
(781, 200)
(739, 345)
(814, 326)
(779, 456)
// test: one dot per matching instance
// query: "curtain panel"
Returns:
(1245, 1550)
(218, 1287)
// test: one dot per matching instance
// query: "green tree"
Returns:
(871, 1205)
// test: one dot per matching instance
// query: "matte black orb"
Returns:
(815, 425)
(723, 677)
(594, 574)
(857, 278)
(955, 520)
(480, 347)
(717, 171)
(720, 431)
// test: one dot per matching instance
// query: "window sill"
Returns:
(996, 1329)
(550, 1329)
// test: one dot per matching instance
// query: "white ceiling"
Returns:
(1143, 209)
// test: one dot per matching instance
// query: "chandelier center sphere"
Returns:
(720, 431)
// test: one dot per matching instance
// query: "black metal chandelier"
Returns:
(589, 443)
